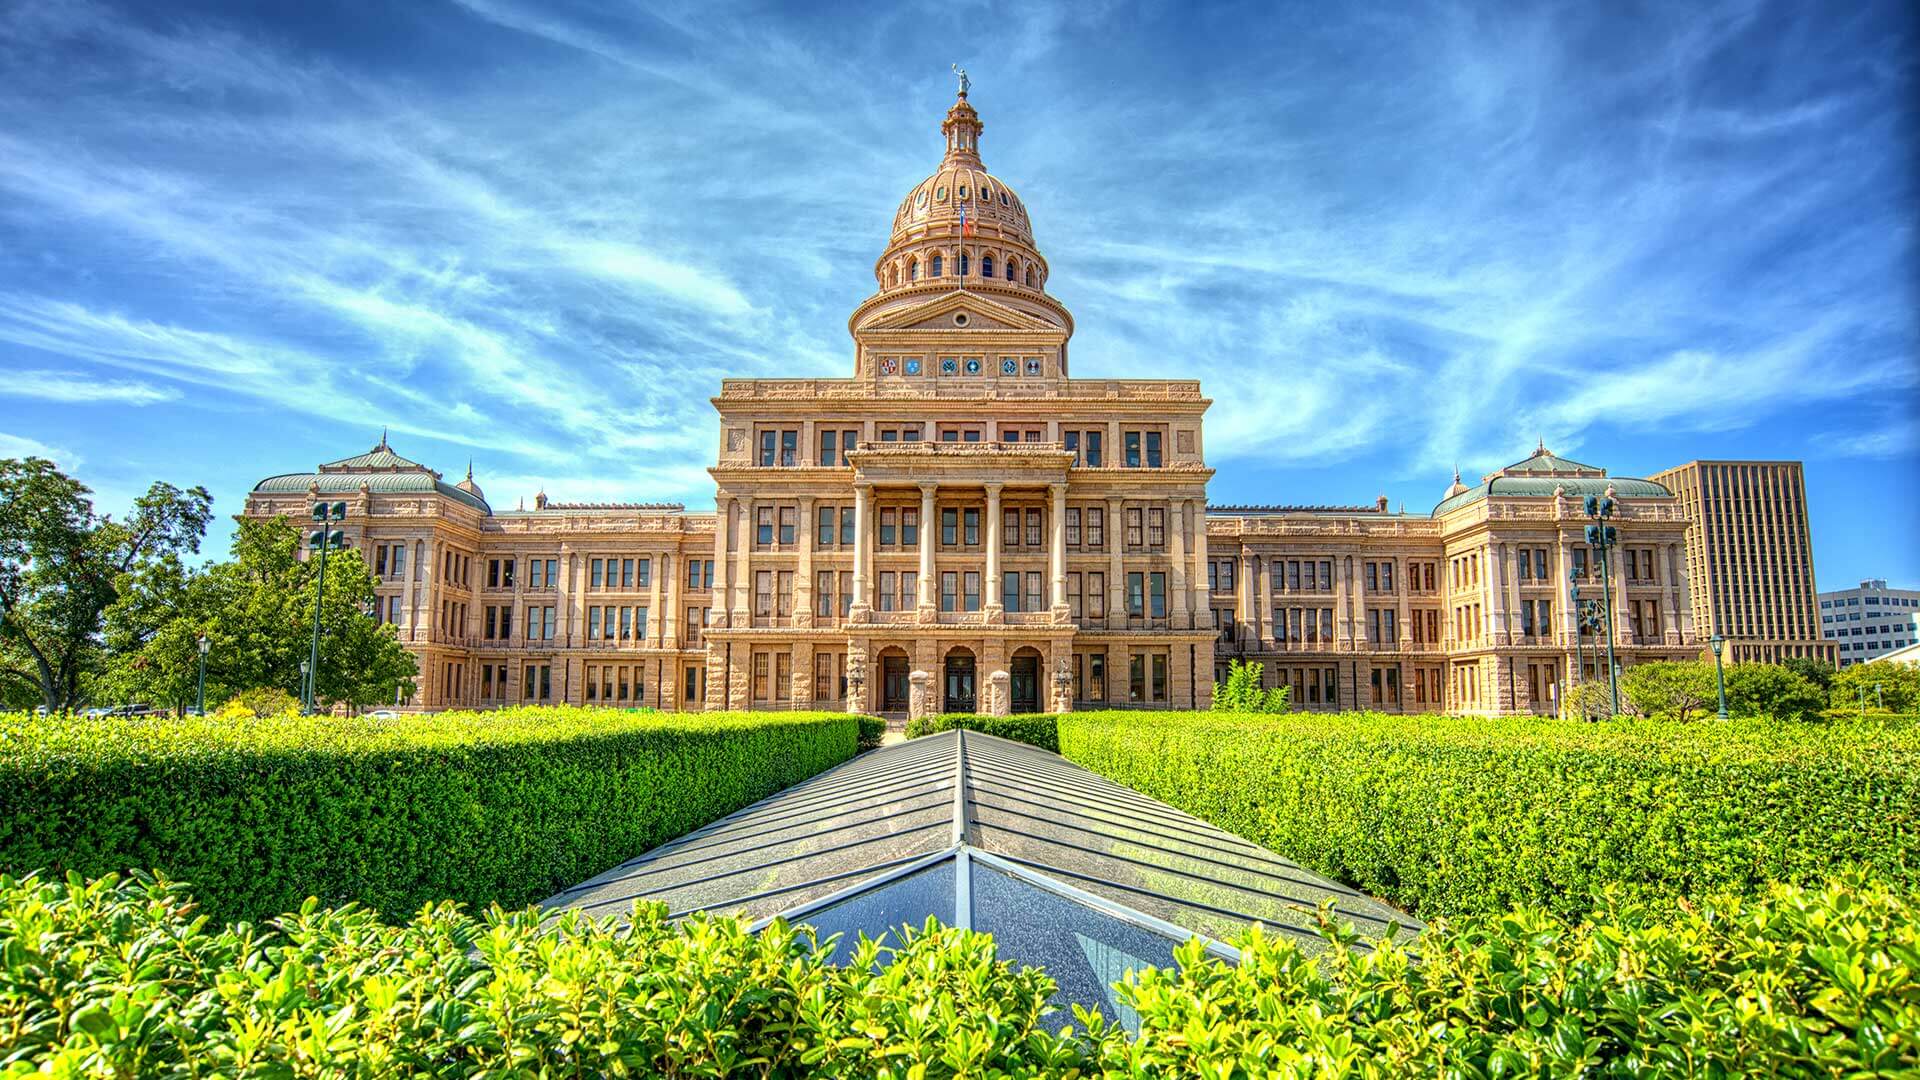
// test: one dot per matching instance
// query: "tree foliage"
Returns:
(1878, 684)
(62, 565)
(256, 611)
(1771, 690)
(1242, 691)
(1671, 689)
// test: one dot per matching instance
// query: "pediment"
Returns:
(982, 313)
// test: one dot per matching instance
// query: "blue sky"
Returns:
(237, 240)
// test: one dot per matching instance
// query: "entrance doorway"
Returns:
(960, 696)
(893, 682)
(1024, 679)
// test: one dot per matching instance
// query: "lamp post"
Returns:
(1719, 673)
(303, 683)
(321, 539)
(1579, 624)
(1602, 537)
(200, 687)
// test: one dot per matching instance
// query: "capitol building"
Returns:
(967, 524)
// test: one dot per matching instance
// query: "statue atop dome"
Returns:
(965, 83)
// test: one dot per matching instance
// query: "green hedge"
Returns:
(507, 806)
(119, 978)
(1450, 815)
(1037, 729)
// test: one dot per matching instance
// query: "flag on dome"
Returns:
(966, 227)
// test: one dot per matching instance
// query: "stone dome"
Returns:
(975, 222)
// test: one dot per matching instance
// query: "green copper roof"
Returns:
(381, 470)
(380, 457)
(1541, 474)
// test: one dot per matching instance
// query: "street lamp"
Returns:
(303, 683)
(1719, 673)
(1602, 537)
(200, 690)
(321, 539)
(1579, 623)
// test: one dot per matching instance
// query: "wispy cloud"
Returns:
(73, 387)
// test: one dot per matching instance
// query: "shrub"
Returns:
(1880, 684)
(872, 730)
(1671, 689)
(1242, 692)
(474, 807)
(1034, 729)
(266, 701)
(1453, 815)
(120, 977)
(1770, 690)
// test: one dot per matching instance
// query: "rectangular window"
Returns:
(1386, 577)
(889, 519)
(593, 623)
(783, 594)
(626, 573)
(1136, 533)
(1157, 588)
(1097, 595)
(972, 519)
(1137, 677)
(1010, 591)
(909, 528)
(1032, 602)
(763, 593)
(829, 447)
(909, 590)
(824, 527)
(762, 672)
(1076, 602)
(1073, 526)
(823, 593)
(1159, 677)
(970, 582)
(768, 442)
(886, 591)
(1071, 441)
(626, 624)
(1373, 577)
(782, 676)
(846, 593)
(763, 531)
(640, 623)
(789, 448)
(1156, 527)
(846, 526)
(1096, 528)
(950, 527)
(949, 590)
(1093, 449)
(594, 571)
(1131, 443)
(1153, 462)
(547, 626)
(1035, 529)
(1136, 593)
(787, 514)
(847, 443)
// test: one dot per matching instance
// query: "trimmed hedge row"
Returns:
(507, 806)
(1452, 815)
(120, 978)
(1035, 729)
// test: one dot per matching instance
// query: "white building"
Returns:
(1870, 621)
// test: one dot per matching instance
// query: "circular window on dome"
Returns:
(940, 194)
(959, 318)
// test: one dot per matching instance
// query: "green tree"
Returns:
(62, 565)
(1818, 672)
(1671, 689)
(1771, 690)
(1898, 686)
(1243, 693)
(256, 610)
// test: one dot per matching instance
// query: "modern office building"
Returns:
(1871, 621)
(964, 523)
(1750, 557)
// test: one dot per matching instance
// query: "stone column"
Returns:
(803, 572)
(1197, 551)
(1116, 570)
(669, 619)
(742, 600)
(565, 597)
(429, 591)
(1510, 595)
(1265, 603)
(1617, 564)
(1342, 615)
(1182, 588)
(654, 614)
(995, 610)
(1057, 550)
(928, 607)
(1244, 595)
(1683, 594)
(722, 592)
(1402, 630)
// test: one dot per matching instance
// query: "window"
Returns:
(1136, 593)
(950, 527)
(763, 531)
(823, 593)
(889, 519)
(829, 447)
(1131, 444)
(1136, 533)
(970, 584)
(846, 526)
(699, 573)
(949, 590)
(937, 267)
(885, 591)
(1097, 595)
(986, 266)
(1034, 529)
(1096, 528)
(1073, 526)
(543, 573)
(1157, 587)
(971, 519)
(1153, 449)
(1010, 591)
(1033, 601)
(1156, 527)
(824, 529)
(909, 527)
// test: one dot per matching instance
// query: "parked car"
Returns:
(384, 714)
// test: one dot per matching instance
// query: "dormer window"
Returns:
(1003, 199)
(940, 194)
(963, 191)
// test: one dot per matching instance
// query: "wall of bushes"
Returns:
(1457, 815)
(116, 978)
(507, 806)
(1035, 729)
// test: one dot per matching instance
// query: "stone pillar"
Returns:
(1513, 598)
(654, 615)
(1182, 588)
(803, 563)
(920, 695)
(1243, 595)
(429, 589)
(670, 615)
(1116, 570)
(1342, 614)
(1617, 565)
(1682, 591)
(741, 601)
(722, 592)
(991, 604)
(1402, 629)
(408, 619)
(1264, 601)
(929, 608)
(1057, 551)
(998, 693)
(862, 608)
(1197, 551)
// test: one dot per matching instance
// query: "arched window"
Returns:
(893, 275)
(913, 269)
(1009, 269)
(963, 264)
(986, 266)
(1029, 276)
(937, 267)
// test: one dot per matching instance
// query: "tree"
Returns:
(62, 566)
(1773, 691)
(256, 610)
(1898, 687)
(1670, 689)
(1243, 692)
(1818, 672)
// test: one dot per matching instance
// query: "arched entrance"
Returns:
(894, 687)
(1023, 690)
(962, 694)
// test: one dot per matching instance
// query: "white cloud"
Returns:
(73, 387)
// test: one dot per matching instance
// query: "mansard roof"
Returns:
(381, 471)
(1543, 473)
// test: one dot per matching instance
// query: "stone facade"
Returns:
(962, 525)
